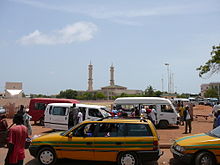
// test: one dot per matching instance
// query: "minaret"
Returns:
(112, 82)
(90, 80)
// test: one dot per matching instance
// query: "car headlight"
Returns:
(179, 148)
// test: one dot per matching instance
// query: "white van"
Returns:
(166, 113)
(57, 115)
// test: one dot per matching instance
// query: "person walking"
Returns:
(188, 120)
(3, 129)
(75, 114)
(181, 110)
(217, 122)
(80, 117)
(153, 114)
(27, 118)
(16, 142)
(21, 110)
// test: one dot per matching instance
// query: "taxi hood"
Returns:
(197, 139)
(49, 137)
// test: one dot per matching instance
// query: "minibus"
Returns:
(166, 113)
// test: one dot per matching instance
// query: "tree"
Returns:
(149, 91)
(211, 92)
(212, 65)
(68, 94)
(99, 96)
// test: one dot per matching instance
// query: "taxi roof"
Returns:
(119, 120)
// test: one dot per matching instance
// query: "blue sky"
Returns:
(48, 44)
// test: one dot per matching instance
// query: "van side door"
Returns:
(59, 118)
(167, 113)
(47, 116)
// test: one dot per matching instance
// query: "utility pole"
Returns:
(168, 77)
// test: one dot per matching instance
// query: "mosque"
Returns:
(112, 89)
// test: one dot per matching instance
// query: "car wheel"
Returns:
(128, 158)
(163, 124)
(42, 121)
(47, 156)
(204, 158)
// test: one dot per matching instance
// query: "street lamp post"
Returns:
(168, 77)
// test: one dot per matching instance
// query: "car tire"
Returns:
(41, 121)
(47, 156)
(163, 124)
(204, 158)
(128, 158)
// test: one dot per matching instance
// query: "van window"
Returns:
(61, 111)
(166, 108)
(94, 112)
(138, 130)
(110, 130)
(40, 106)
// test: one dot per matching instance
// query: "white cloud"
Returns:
(78, 32)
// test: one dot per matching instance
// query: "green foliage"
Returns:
(150, 92)
(183, 95)
(91, 96)
(212, 65)
(100, 96)
(211, 92)
(68, 94)
(39, 96)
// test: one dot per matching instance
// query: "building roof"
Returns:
(113, 87)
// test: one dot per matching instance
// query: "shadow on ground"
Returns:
(81, 162)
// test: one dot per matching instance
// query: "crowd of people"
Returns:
(145, 111)
(15, 136)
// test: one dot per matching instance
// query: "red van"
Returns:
(38, 105)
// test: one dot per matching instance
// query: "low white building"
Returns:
(13, 90)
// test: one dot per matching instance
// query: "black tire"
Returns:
(204, 158)
(47, 156)
(41, 121)
(127, 158)
(163, 124)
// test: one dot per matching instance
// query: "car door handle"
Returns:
(88, 143)
(118, 143)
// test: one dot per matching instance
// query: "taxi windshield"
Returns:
(215, 132)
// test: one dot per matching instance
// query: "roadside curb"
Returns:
(165, 146)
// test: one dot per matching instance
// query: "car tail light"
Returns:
(155, 145)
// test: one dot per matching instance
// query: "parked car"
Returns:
(125, 141)
(198, 149)
(59, 116)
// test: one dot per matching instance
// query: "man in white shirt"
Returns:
(80, 117)
(153, 114)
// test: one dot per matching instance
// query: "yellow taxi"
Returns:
(198, 149)
(125, 141)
